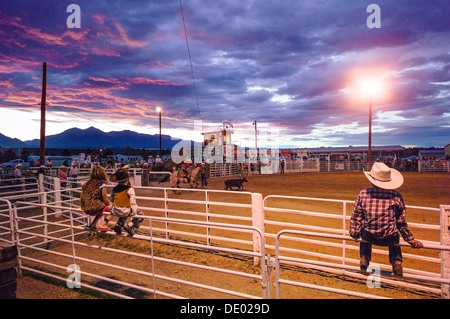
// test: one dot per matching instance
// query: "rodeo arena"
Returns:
(193, 241)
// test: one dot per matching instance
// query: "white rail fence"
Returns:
(30, 243)
(246, 225)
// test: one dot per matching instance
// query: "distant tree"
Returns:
(66, 152)
(128, 151)
(8, 155)
(107, 152)
(24, 154)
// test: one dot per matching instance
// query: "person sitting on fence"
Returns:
(41, 170)
(20, 180)
(62, 175)
(159, 163)
(73, 172)
(94, 198)
(123, 198)
(378, 216)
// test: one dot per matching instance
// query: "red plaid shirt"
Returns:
(381, 212)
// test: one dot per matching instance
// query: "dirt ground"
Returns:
(419, 189)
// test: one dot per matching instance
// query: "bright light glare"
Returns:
(371, 86)
(158, 109)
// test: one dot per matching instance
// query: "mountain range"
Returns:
(93, 138)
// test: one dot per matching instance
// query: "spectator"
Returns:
(73, 172)
(18, 176)
(203, 176)
(151, 163)
(379, 215)
(87, 162)
(62, 175)
(94, 198)
(158, 163)
(124, 204)
(41, 170)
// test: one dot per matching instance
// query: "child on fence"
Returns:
(94, 198)
(123, 199)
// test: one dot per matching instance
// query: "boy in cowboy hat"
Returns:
(379, 215)
(124, 204)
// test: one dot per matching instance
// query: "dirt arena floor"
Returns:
(419, 189)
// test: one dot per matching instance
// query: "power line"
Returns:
(190, 59)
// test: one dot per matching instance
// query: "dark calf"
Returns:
(230, 183)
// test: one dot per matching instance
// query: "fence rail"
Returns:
(245, 225)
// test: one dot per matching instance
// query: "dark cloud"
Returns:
(287, 64)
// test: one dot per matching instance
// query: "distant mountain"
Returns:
(95, 138)
(7, 142)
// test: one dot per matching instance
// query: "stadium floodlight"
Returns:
(370, 87)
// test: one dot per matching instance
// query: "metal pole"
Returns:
(42, 139)
(256, 146)
(256, 139)
(369, 155)
(160, 139)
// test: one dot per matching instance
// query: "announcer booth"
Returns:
(221, 139)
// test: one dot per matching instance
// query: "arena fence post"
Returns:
(445, 255)
(57, 200)
(258, 222)
(138, 177)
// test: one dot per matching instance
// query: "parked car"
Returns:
(15, 162)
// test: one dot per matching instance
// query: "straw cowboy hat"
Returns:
(120, 176)
(384, 177)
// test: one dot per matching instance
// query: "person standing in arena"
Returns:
(379, 214)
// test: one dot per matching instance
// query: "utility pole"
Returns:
(369, 151)
(256, 146)
(42, 140)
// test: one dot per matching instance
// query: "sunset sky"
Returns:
(294, 66)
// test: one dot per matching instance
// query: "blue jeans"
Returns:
(365, 248)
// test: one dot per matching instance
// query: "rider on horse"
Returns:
(186, 168)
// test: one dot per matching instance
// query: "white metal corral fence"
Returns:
(275, 232)
(52, 248)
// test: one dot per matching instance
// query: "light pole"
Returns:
(256, 137)
(256, 145)
(369, 152)
(158, 109)
(370, 87)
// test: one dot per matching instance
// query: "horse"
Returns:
(176, 179)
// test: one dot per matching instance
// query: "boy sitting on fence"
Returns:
(123, 199)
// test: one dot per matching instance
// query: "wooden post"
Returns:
(42, 140)
(8, 271)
